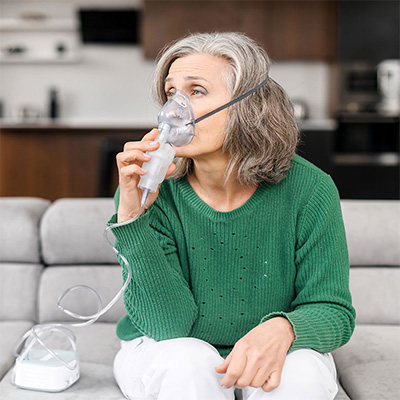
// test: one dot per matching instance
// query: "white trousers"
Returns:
(183, 369)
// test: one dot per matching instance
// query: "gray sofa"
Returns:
(48, 247)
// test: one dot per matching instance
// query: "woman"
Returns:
(240, 266)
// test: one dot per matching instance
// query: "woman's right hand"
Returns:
(129, 163)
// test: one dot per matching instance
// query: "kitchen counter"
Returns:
(115, 124)
(79, 124)
(317, 124)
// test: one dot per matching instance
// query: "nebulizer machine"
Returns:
(41, 367)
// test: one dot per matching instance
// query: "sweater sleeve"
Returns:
(322, 314)
(158, 299)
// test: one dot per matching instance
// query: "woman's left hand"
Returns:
(257, 358)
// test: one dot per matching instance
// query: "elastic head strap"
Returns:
(232, 101)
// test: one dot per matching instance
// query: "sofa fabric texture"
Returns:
(46, 248)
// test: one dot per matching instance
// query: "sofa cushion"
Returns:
(376, 295)
(18, 291)
(19, 229)
(97, 343)
(96, 382)
(374, 380)
(368, 366)
(106, 280)
(369, 344)
(341, 395)
(373, 231)
(72, 232)
(10, 332)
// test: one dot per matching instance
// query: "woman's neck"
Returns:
(208, 181)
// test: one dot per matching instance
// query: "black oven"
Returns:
(366, 159)
(369, 139)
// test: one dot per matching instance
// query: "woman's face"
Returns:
(200, 76)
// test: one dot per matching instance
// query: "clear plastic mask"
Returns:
(177, 114)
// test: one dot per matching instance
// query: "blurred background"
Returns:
(75, 79)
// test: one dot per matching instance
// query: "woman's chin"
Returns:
(183, 151)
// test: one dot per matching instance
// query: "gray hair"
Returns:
(260, 132)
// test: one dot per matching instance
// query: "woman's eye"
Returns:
(169, 93)
(198, 91)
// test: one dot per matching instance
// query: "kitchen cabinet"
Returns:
(55, 161)
(288, 30)
(369, 30)
(316, 146)
(370, 172)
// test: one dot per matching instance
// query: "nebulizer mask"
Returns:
(175, 127)
(39, 366)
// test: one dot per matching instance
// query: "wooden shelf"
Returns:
(46, 25)
(22, 59)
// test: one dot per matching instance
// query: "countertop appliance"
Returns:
(358, 87)
(389, 87)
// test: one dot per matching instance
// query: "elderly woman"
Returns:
(240, 265)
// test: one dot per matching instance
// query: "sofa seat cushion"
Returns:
(96, 382)
(372, 380)
(368, 366)
(97, 343)
(369, 344)
(18, 291)
(341, 395)
(10, 332)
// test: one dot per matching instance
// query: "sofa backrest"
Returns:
(75, 253)
(67, 236)
(373, 237)
(72, 232)
(19, 229)
(20, 258)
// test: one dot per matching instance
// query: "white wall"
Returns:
(112, 83)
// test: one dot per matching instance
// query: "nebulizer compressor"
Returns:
(37, 365)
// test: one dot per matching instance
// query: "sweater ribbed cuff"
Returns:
(301, 331)
(135, 232)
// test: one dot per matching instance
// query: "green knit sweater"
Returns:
(213, 275)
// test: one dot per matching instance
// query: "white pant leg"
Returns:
(178, 369)
(306, 375)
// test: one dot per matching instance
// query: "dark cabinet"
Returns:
(369, 30)
(288, 30)
(362, 156)
(316, 146)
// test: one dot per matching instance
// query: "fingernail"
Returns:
(145, 155)
(224, 387)
(152, 143)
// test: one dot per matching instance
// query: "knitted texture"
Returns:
(213, 275)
